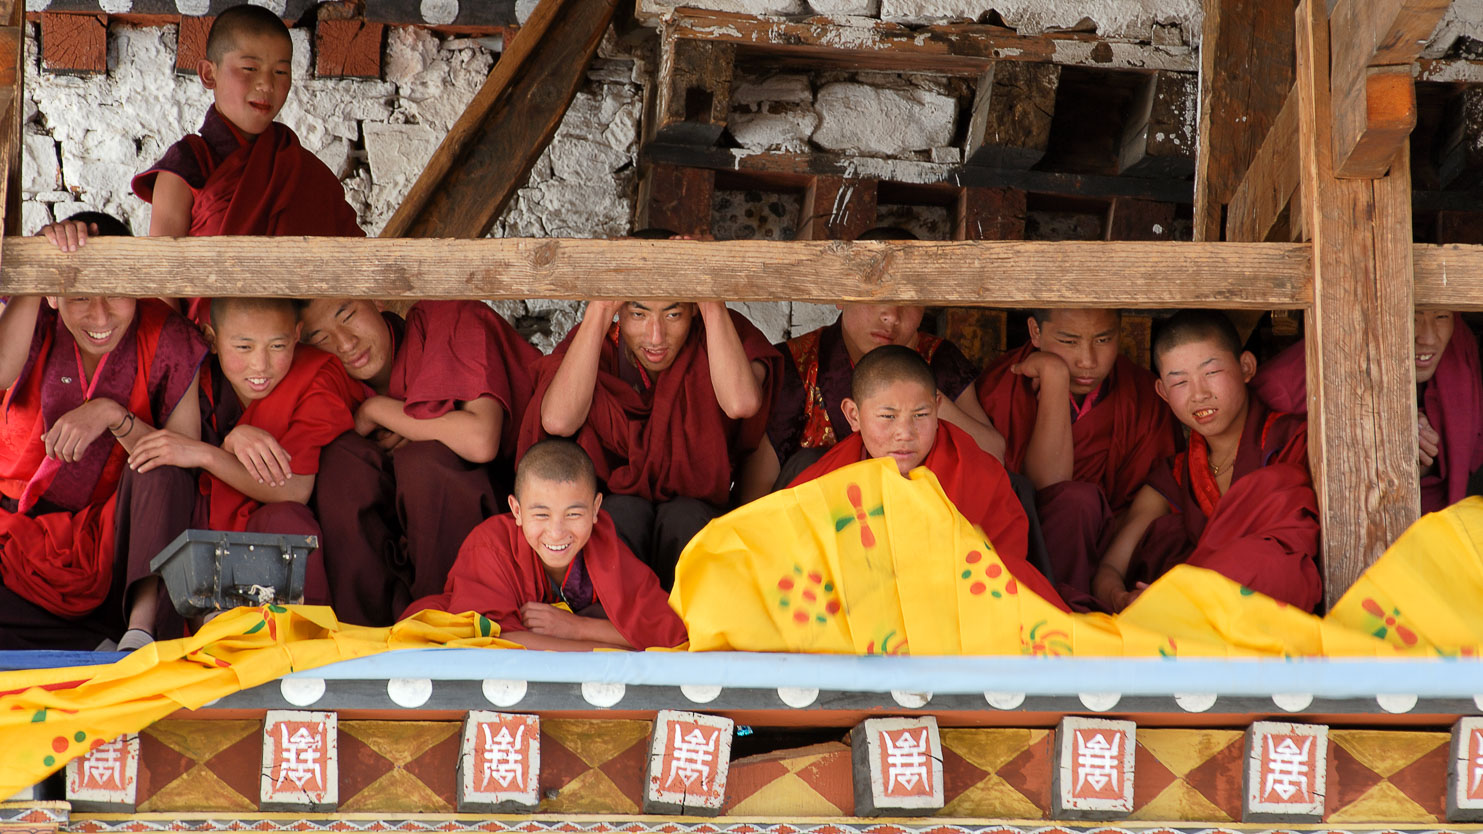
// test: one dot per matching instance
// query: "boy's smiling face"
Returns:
(1205, 386)
(96, 322)
(252, 81)
(255, 348)
(556, 518)
(351, 329)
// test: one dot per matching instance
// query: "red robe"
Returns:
(58, 551)
(978, 486)
(312, 405)
(1117, 443)
(497, 572)
(1452, 401)
(452, 352)
(672, 438)
(1263, 532)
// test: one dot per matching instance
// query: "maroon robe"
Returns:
(978, 486)
(497, 571)
(671, 438)
(1263, 532)
(1452, 401)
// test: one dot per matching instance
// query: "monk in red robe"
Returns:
(1088, 454)
(892, 410)
(1449, 403)
(272, 407)
(433, 450)
(667, 402)
(86, 379)
(1240, 501)
(244, 173)
(553, 572)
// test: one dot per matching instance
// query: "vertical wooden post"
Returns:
(984, 214)
(678, 199)
(835, 208)
(1361, 376)
(12, 112)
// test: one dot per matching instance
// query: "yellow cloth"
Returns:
(793, 573)
(44, 728)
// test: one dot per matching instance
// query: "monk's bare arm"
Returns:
(472, 430)
(966, 413)
(1050, 457)
(1110, 583)
(17, 326)
(225, 466)
(565, 406)
(758, 472)
(170, 212)
(545, 642)
(736, 379)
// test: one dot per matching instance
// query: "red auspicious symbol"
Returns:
(502, 753)
(691, 762)
(1386, 622)
(1097, 764)
(104, 767)
(815, 601)
(991, 574)
(301, 757)
(1474, 786)
(1287, 772)
(867, 536)
(906, 762)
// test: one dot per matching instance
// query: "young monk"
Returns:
(244, 173)
(87, 378)
(1088, 452)
(1449, 399)
(667, 401)
(892, 411)
(1240, 501)
(270, 409)
(553, 572)
(433, 448)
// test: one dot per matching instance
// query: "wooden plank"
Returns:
(694, 91)
(1009, 274)
(958, 49)
(1157, 137)
(1361, 380)
(1449, 276)
(74, 44)
(835, 208)
(1270, 181)
(1012, 109)
(1238, 103)
(678, 199)
(990, 214)
(1132, 219)
(12, 106)
(1374, 99)
(797, 168)
(487, 155)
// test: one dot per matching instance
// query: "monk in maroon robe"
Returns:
(87, 379)
(893, 412)
(1089, 454)
(244, 174)
(434, 447)
(667, 402)
(1240, 501)
(1449, 400)
(553, 572)
(273, 407)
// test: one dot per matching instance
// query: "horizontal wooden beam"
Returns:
(994, 273)
(1270, 181)
(1448, 276)
(961, 49)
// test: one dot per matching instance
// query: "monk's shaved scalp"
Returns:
(245, 20)
(888, 364)
(555, 459)
(1188, 326)
(220, 307)
(1042, 316)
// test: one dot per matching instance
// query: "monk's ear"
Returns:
(1248, 365)
(596, 503)
(515, 509)
(851, 413)
(210, 333)
(1034, 327)
(298, 330)
(207, 71)
(1158, 386)
(52, 301)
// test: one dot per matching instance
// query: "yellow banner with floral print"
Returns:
(863, 561)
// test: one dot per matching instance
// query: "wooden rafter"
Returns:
(12, 110)
(1270, 181)
(487, 155)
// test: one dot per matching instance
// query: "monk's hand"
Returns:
(71, 435)
(1110, 588)
(1046, 372)
(69, 235)
(260, 455)
(388, 440)
(711, 310)
(366, 416)
(540, 618)
(1428, 442)
(603, 311)
(167, 448)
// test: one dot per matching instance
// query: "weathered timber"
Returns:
(1245, 72)
(1449, 276)
(959, 49)
(1012, 110)
(487, 155)
(678, 199)
(694, 91)
(481, 14)
(1361, 379)
(1009, 274)
(1374, 99)
(798, 168)
(347, 48)
(12, 113)
(1270, 181)
(190, 43)
(1459, 157)
(1158, 140)
(835, 208)
(990, 214)
(1133, 219)
(74, 44)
